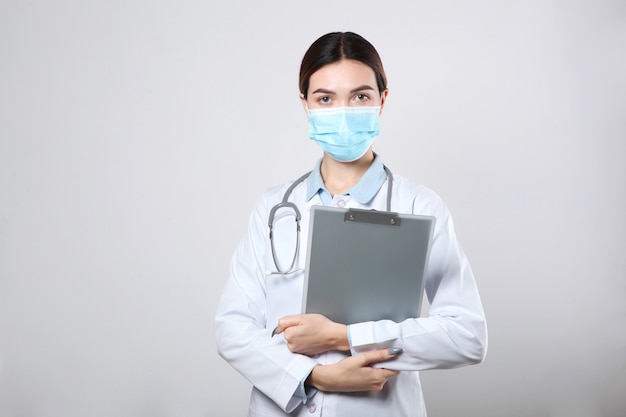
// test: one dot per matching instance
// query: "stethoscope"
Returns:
(287, 204)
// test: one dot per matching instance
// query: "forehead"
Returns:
(344, 74)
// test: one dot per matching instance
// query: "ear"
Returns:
(304, 103)
(383, 100)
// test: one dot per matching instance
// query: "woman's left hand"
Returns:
(310, 334)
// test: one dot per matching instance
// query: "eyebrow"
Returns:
(354, 90)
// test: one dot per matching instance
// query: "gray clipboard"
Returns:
(365, 265)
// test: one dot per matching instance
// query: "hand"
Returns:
(353, 373)
(310, 334)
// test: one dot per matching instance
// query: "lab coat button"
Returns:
(312, 408)
(341, 203)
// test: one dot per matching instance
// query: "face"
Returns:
(342, 84)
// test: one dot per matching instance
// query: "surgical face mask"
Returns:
(344, 133)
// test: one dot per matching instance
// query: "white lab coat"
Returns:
(454, 333)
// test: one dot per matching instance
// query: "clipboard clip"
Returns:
(372, 216)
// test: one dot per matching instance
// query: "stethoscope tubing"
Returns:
(285, 203)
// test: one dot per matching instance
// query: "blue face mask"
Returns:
(344, 133)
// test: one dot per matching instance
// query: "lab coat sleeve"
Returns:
(240, 325)
(455, 333)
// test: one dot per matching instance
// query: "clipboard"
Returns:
(366, 265)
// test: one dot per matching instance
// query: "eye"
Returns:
(361, 97)
(325, 100)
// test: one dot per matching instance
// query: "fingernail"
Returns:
(394, 350)
(274, 331)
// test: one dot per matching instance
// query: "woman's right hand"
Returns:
(353, 373)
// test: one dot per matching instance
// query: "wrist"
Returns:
(316, 378)
(340, 337)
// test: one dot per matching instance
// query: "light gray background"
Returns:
(135, 137)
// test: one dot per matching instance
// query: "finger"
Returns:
(286, 322)
(388, 373)
(380, 355)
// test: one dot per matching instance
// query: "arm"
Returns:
(455, 332)
(240, 323)
(354, 373)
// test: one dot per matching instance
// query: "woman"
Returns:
(305, 364)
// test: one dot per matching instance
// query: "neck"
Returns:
(339, 177)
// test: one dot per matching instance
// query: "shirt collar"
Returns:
(363, 191)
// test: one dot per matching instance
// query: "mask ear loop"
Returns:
(306, 107)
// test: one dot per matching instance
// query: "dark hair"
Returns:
(336, 46)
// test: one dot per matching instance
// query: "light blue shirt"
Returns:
(363, 191)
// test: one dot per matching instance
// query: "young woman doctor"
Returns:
(305, 364)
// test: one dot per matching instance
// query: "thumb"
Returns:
(286, 322)
(380, 355)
